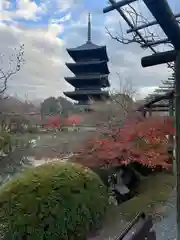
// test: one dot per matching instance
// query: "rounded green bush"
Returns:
(52, 201)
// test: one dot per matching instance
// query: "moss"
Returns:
(152, 194)
(52, 201)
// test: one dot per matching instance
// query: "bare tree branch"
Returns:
(15, 62)
(148, 34)
(109, 116)
(148, 37)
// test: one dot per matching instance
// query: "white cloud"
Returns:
(111, 19)
(65, 18)
(144, 91)
(6, 4)
(44, 70)
(55, 29)
(26, 9)
(64, 5)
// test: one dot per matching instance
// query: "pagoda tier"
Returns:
(94, 67)
(85, 95)
(88, 51)
(90, 69)
(89, 80)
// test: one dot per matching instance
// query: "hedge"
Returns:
(53, 201)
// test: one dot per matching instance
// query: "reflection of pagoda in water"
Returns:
(90, 70)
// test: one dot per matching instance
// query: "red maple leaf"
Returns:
(143, 140)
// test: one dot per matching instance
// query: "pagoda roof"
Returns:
(88, 80)
(87, 46)
(89, 67)
(86, 77)
(84, 94)
(88, 49)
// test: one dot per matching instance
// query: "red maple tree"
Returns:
(57, 121)
(53, 122)
(141, 140)
(72, 120)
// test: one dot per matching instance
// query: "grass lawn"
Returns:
(153, 193)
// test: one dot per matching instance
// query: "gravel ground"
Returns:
(166, 228)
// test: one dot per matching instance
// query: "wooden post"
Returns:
(177, 117)
(171, 107)
(171, 136)
(145, 113)
(150, 112)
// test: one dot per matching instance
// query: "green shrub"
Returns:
(103, 174)
(6, 142)
(53, 201)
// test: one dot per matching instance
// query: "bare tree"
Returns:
(110, 115)
(146, 37)
(10, 67)
(124, 94)
(151, 36)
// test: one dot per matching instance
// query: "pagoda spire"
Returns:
(89, 28)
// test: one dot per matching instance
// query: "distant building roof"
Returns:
(158, 98)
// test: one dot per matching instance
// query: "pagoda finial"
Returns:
(89, 27)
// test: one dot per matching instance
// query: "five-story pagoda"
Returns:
(90, 71)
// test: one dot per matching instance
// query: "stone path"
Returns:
(166, 228)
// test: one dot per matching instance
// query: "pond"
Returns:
(37, 149)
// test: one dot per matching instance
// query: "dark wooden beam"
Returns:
(159, 58)
(159, 106)
(157, 109)
(117, 5)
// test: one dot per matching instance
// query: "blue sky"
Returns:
(48, 27)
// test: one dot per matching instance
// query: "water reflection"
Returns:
(38, 150)
(37, 162)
